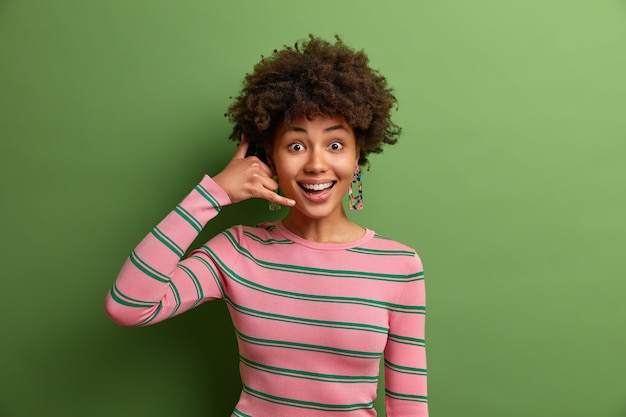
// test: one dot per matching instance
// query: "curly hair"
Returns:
(315, 78)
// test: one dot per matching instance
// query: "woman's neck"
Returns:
(335, 229)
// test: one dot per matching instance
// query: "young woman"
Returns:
(316, 300)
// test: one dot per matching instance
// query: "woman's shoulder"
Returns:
(385, 243)
(387, 250)
(264, 233)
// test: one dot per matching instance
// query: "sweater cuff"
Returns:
(215, 190)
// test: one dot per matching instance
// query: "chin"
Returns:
(316, 213)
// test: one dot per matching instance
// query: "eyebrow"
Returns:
(327, 130)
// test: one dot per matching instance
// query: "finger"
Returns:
(259, 168)
(267, 170)
(268, 190)
(268, 183)
(240, 153)
(277, 198)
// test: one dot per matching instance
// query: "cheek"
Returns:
(348, 168)
(285, 173)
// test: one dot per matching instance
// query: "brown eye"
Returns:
(295, 147)
(336, 146)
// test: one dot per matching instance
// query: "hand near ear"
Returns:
(248, 177)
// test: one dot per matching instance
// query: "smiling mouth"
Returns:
(316, 188)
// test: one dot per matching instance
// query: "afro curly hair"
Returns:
(315, 78)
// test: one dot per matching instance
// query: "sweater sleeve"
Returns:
(405, 353)
(155, 283)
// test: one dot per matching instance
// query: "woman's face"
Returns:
(315, 162)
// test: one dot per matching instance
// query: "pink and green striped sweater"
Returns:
(312, 320)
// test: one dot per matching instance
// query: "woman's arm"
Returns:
(155, 283)
(405, 353)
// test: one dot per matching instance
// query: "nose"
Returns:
(316, 162)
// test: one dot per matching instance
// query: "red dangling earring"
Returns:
(356, 201)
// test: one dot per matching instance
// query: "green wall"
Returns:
(509, 180)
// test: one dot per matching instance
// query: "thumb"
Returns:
(240, 153)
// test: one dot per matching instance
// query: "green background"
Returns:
(509, 180)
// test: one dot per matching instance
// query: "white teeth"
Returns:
(317, 187)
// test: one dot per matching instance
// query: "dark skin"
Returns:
(315, 161)
(249, 177)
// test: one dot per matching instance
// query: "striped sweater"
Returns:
(313, 320)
